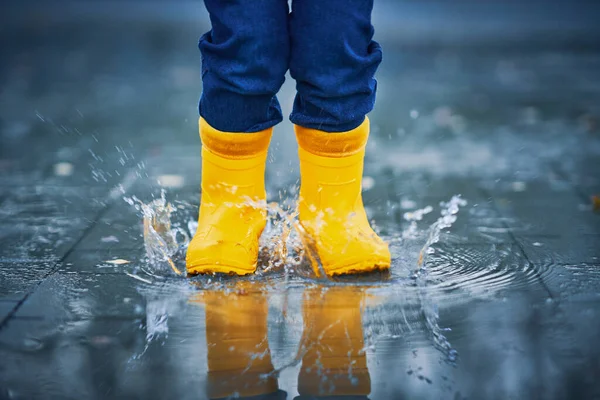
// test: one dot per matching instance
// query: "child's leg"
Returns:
(245, 57)
(244, 60)
(333, 60)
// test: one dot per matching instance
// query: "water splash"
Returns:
(283, 255)
(162, 241)
(429, 308)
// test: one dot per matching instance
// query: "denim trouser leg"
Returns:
(244, 60)
(333, 60)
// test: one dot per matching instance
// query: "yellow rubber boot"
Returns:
(233, 205)
(331, 209)
(332, 346)
(239, 359)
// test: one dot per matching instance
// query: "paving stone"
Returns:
(562, 218)
(119, 228)
(482, 270)
(43, 202)
(40, 240)
(71, 296)
(446, 187)
(6, 307)
(549, 354)
(97, 261)
(20, 278)
(538, 209)
(562, 249)
(106, 358)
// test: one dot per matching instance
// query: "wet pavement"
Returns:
(480, 172)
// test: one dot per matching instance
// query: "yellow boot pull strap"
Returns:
(336, 144)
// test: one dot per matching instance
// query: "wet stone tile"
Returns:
(539, 209)
(47, 202)
(104, 261)
(36, 239)
(458, 273)
(100, 358)
(575, 283)
(545, 343)
(6, 307)
(20, 278)
(71, 296)
(446, 187)
(120, 228)
(89, 358)
(550, 250)
(562, 218)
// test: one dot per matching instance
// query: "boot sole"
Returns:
(218, 269)
(359, 267)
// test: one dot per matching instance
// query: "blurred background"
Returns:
(128, 72)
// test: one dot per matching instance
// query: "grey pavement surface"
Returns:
(492, 295)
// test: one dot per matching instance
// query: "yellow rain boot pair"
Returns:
(331, 212)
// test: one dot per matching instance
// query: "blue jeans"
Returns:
(326, 44)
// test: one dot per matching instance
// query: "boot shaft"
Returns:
(233, 164)
(331, 168)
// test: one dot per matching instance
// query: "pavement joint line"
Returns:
(521, 249)
(57, 263)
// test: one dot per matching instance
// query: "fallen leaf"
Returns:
(118, 261)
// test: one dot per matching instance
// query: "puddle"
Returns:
(354, 309)
(283, 324)
(285, 329)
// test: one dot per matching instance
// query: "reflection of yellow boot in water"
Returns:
(331, 210)
(233, 206)
(333, 360)
(239, 359)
